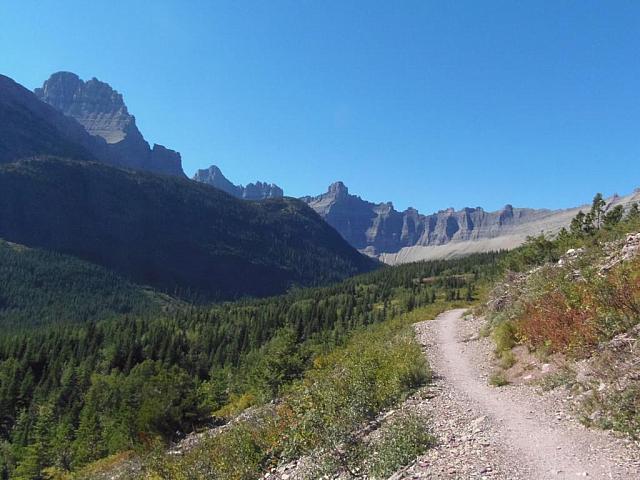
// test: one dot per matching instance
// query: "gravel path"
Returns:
(512, 432)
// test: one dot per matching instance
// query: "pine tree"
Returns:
(613, 216)
(88, 445)
(39, 453)
(597, 210)
(633, 215)
(577, 224)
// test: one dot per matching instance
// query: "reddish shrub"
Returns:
(551, 322)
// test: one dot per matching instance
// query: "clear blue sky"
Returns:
(428, 104)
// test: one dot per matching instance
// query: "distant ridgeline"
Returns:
(253, 191)
(400, 237)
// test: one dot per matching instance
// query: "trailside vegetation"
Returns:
(577, 297)
(73, 394)
(321, 417)
(558, 294)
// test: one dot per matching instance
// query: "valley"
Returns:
(160, 321)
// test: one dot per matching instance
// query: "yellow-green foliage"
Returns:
(504, 336)
(497, 379)
(400, 441)
(237, 403)
(377, 367)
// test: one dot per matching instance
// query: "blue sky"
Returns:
(427, 104)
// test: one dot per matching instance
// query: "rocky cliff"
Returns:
(399, 237)
(102, 112)
(252, 191)
(30, 127)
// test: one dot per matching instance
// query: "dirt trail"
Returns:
(507, 433)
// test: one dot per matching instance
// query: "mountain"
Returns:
(253, 191)
(399, 237)
(30, 127)
(102, 112)
(174, 234)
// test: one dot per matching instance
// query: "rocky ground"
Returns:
(512, 432)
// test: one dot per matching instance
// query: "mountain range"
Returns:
(381, 231)
(66, 190)
(88, 120)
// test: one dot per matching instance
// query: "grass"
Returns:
(564, 377)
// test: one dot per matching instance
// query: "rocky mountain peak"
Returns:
(213, 176)
(253, 191)
(102, 112)
(338, 189)
(99, 108)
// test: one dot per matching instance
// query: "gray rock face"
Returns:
(102, 112)
(398, 237)
(30, 127)
(252, 191)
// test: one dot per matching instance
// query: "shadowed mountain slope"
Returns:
(30, 127)
(174, 234)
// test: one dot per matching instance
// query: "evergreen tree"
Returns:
(577, 223)
(597, 210)
(613, 216)
(633, 215)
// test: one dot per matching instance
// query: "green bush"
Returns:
(507, 359)
(402, 440)
(498, 379)
(504, 336)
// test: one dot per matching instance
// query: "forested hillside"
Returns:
(179, 236)
(43, 288)
(73, 394)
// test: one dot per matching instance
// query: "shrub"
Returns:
(497, 379)
(507, 359)
(552, 321)
(401, 440)
(504, 336)
(618, 410)
(563, 377)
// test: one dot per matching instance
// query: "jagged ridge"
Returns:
(398, 237)
(253, 191)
